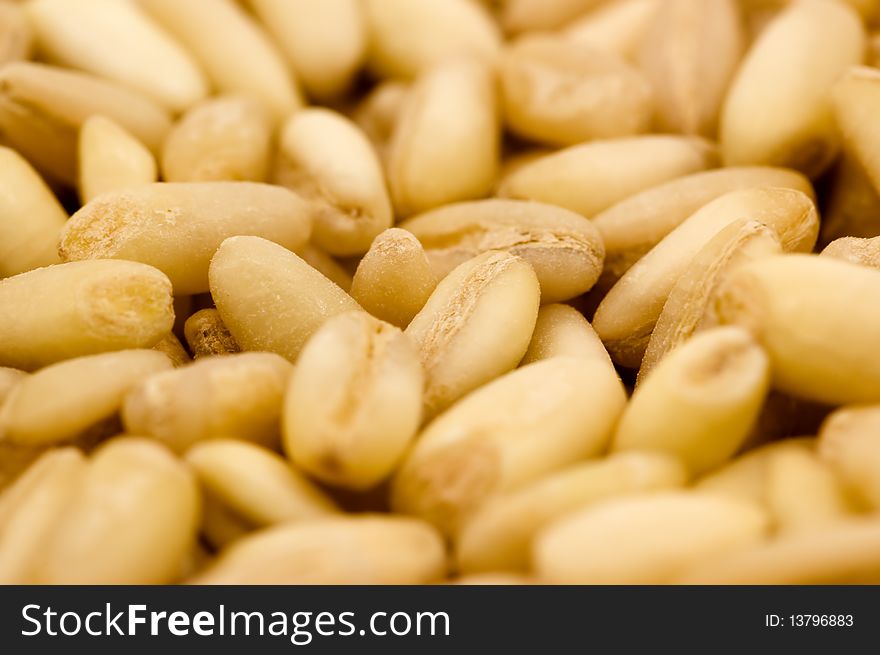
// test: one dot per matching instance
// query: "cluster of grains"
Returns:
(420, 291)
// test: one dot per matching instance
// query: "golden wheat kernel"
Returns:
(335, 167)
(82, 308)
(445, 146)
(177, 227)
(817, 318)
(700, 402)
(475, 326)
(778, 108)
(118, 41)
(354, 402)
(269, 298)
(394, 279)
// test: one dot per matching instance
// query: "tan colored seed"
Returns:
(208, 28)
(817, 318)
(590, 177)
(407, 38)
(269, 298)
(43, 107)
(236, 396)
(648, 539)
(111, 159)
(560, 92)
(30, 217)
(333, 164)
(688, 308)
(690, 54)
(82, 308)
(224, 138)
(499, 536)
(633, 226)
(365, 549)
(255, 484)
(565, 250)
(394, 280)
(62, 401)
(475, 326)
(177, 227)
(325, 42)
(354, 402)
(510, 432)
(116, 40)
(628, 313)
(699, 403)
(206, 334)
(778, 109)
(445, 146)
